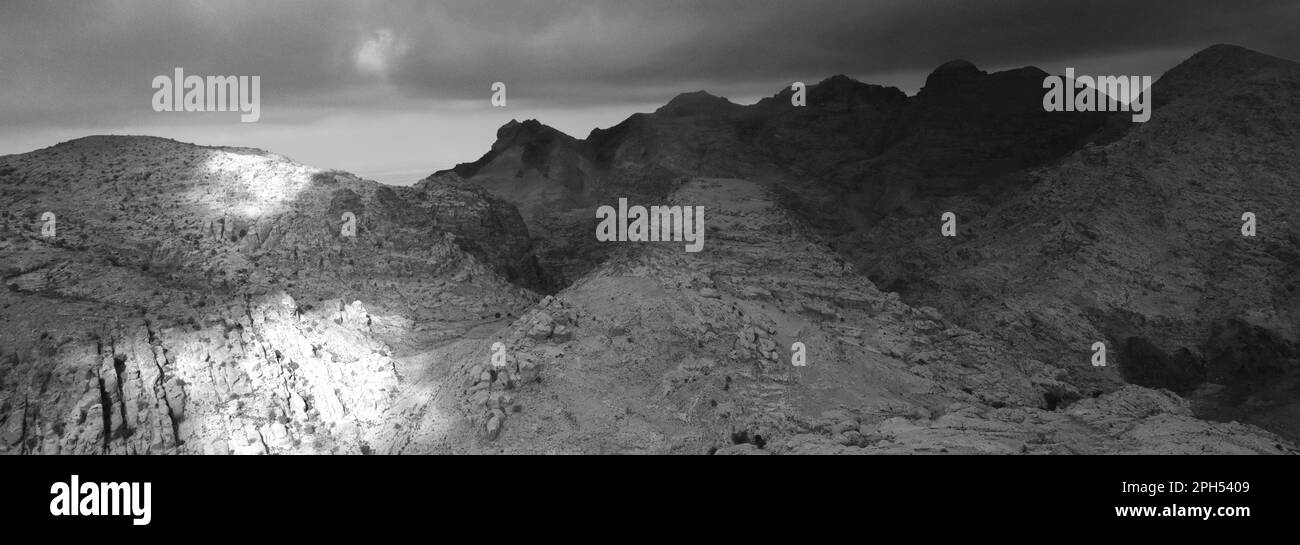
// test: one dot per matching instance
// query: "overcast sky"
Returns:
(393, 90)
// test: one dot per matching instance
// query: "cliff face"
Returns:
(206, 299)
(486, 226)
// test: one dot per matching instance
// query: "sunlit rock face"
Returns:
(210, 299)
(251, 377)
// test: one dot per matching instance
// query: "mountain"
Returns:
(201, 299)
(548, 176)
(1138, 243)
(856, 150)
(1074, 228)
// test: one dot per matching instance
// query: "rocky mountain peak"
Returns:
(529, 144)
(695, 103)
(952, 75)
(1216, 68)
(527, 131)
(843, 90)
(1229, 55)
(530, 134)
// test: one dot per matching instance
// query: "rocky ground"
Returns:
(663, 351)
(204, 299)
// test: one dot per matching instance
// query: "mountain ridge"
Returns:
(970, 141)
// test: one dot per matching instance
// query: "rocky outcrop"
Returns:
(260, 376)
(210, 300)
(484, 225)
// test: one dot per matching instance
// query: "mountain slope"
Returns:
(1073, 227)
(204, 299)
(1138, 243)
(663, 351)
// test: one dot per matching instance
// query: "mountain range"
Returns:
(209, 299)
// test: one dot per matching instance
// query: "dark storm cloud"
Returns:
(583, 51)
(74, 62)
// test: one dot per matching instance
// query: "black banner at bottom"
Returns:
(132, 497)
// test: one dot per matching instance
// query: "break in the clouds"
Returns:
(67, 65)
(378, 51)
